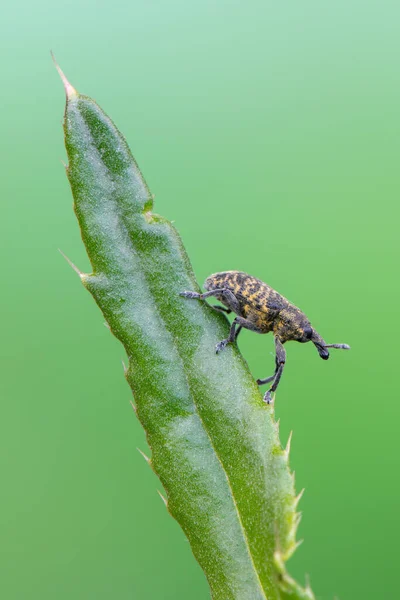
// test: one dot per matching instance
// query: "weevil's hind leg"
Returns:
(280, 362)
(222, 309)
(229, 298)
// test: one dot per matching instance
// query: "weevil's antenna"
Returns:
(338, 346)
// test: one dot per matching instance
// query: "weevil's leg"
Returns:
(272, 377)
(201, 296)
(195, 295)
(280, 361)
(266, 380)
(241, 323)
(220, 308)
(229, 340)
(230, 299)
(246, 324)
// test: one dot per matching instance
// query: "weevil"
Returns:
(261, 309)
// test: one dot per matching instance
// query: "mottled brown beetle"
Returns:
(261, 309)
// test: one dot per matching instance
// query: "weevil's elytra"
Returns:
(261, 309)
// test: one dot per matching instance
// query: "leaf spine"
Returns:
(298, 498)
(146, 458)
(287, 449)
(74, 267)
(163, 498)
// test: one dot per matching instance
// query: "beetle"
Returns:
(261, 309)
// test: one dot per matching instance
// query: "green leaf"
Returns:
(215, 445)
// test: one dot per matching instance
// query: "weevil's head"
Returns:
(304, 332)
(292, 324)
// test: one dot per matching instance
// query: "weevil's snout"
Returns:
(323, 352)
(320, 345)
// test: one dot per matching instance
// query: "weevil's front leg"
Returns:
(280, 362)
(272, 377)
(229, 298)
(267, 379)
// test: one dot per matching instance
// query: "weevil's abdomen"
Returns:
(252, 293)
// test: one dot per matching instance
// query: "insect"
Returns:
(261, 309)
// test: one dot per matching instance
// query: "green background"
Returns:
(269, 132)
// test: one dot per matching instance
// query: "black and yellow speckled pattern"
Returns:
(260, 304)
(261, 309)
(250, 291)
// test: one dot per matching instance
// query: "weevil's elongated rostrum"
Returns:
(261, 309)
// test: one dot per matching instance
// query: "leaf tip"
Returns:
(70, 91)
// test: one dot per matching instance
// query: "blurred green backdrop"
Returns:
(269, 132)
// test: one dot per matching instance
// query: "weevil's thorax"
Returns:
(293, 324)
